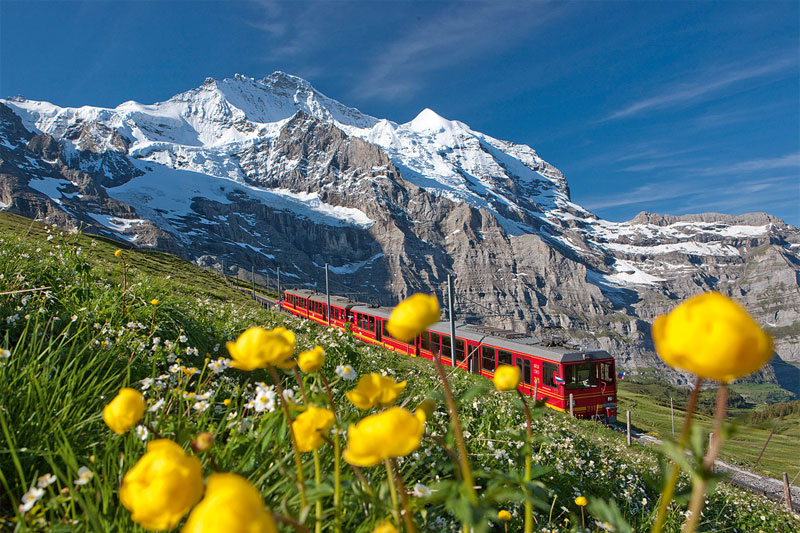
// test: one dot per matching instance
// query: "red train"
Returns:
(553, 373)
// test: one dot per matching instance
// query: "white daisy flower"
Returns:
(264, 402)
(346, 372)
(156, 406)
(201, 406)
(142, 432)
(30, 498)
(84, 475)
(45, 481)
(421, 491)
(219, 366)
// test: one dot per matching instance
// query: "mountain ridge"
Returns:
(206, 176)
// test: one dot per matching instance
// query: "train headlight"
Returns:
(610, 399)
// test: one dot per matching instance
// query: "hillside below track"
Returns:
(754, 482)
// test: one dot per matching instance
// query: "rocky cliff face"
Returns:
(271, 173)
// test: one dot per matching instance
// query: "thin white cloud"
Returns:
(459, 33)
(652, 192)
(705, 87)
(755, 165)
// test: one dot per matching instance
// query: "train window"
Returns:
(386, 333)
(435, 343)
(607, 372)
(426, 341)
(504, 357)
(524, 370)
(581, 375)
(548, 371)
(446, 345)
(487, 358)
(459, 350)
(372, 324)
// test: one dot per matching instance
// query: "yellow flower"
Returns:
(118, 253)
(310, 426)
(413, 315)
(203, 441)
(581, 501)
(226, 401)
(506, 377)
(504, 515)
(154, 301)
(124, 410)
(386, 527)
(712, 337)
(259, 348)
(394, 432)
(311, 360)
(231, 504)
(162, 486)
(374, 390)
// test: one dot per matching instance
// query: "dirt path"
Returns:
(741, 477)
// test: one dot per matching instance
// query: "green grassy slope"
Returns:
(72, 346)
(651, 414)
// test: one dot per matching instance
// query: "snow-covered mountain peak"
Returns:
(429, 120)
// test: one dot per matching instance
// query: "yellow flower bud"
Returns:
(413, 315)
(259, 348)
(394, 432)
(203, 441)
(504, 515)
(310, 426)
(231, 504)
(386, 527)
(581, 501)
(154, 301)
(506, 377)
(118, 253)
(311, 360)
(374, 390)
(162, 486)
(712, 337)
(124, 410)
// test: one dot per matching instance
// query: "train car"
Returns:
(554, 374)
(314, 306)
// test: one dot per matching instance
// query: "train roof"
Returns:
(503, 339)
(338, 301)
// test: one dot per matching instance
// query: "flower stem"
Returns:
(699, 488)
(408, 516)
(528, 438)
(337, 460)
(392, 492)
(466, 472)
(124, 285)
(318, 504)
(669, 488)
(337, 484)
(298, 462)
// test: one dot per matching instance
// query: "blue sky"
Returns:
(668, 107)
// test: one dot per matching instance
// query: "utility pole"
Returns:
(225, 276)
(452, 318)
(253, 278)
(327, 295)
(279, 285)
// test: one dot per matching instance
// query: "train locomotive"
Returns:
(555, 374)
